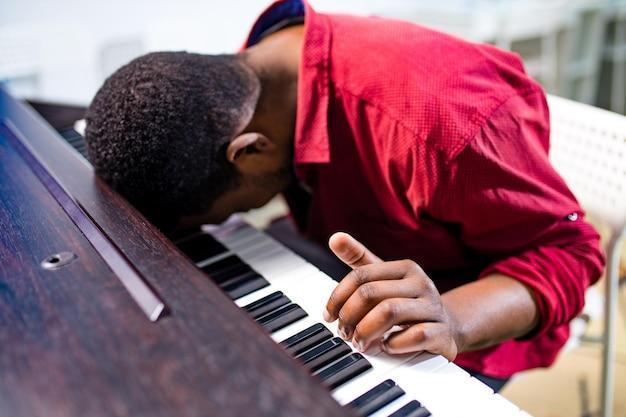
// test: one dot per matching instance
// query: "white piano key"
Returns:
(250, 241)
(250, 252)
(235, 235)
(486, 388)
(271, 259)
(430, 379)
(358, 386)
(388, 367)
(275, 264)
(300, 273)
(434, 390)
(267, 254)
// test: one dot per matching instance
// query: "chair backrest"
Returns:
(588, 149)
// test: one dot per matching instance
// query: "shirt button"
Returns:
(572, 217)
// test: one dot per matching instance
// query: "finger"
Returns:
(362, 275)
(433, 337)
(350, 251)
(370, 294)
(389, 313)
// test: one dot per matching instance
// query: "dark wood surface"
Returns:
(74, 343)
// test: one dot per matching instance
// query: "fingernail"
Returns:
(327, 317)
(358, 344)
(345, 332)
(342, 334)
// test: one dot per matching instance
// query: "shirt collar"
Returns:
(311, 131)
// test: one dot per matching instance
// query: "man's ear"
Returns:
(252, 142)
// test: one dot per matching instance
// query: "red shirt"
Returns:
(427, 147)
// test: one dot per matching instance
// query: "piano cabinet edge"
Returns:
(191, 330)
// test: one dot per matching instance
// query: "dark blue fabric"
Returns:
(287, 9)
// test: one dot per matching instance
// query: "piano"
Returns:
(101, 315)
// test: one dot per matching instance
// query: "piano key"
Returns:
(291, 280)
(343, 370)
(266, 245)
(297, 284)
(312, 294)
(267, 252)
(282, 317)
(278, 268)
(392, 407)
(433, 388)
(226, 268)
(420, 366)
(253, 242)
(233, 234)
(240, 289)
(274, 263)
(294, 328)
(324, 353)
(224, 263)
(305, 288)
(246, 275)
(306, 339)
(267, 304)
(358, 386)
(376, 398)
(308, 287)
(256, 295)
(412, 409)
(200, 246)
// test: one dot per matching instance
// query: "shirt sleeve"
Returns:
(514, 208)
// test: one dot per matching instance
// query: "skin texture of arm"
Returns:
(378, 295)
(491, 310)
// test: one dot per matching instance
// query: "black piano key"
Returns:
(239, 289)
(240, 278)
(267, 304)
(230, 275)
(376, 398)
(282, 317)
(412, 409)
(81, 148)
(223, 264)
(245, 288)
(306, 339)
(200, 247)
(227, 268)
(324, 354)
(344, 370)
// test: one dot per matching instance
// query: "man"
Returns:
(421, 146)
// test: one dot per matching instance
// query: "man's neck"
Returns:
(276, 61)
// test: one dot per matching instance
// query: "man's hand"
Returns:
(377, 295)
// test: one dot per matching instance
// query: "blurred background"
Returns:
(61, 51)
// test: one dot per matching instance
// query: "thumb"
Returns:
(351, 251)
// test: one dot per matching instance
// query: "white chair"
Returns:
(588, 149)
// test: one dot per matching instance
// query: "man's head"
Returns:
(168, 130)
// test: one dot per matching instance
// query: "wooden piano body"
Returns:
(74, 342)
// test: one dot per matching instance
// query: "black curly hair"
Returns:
(158, 127)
